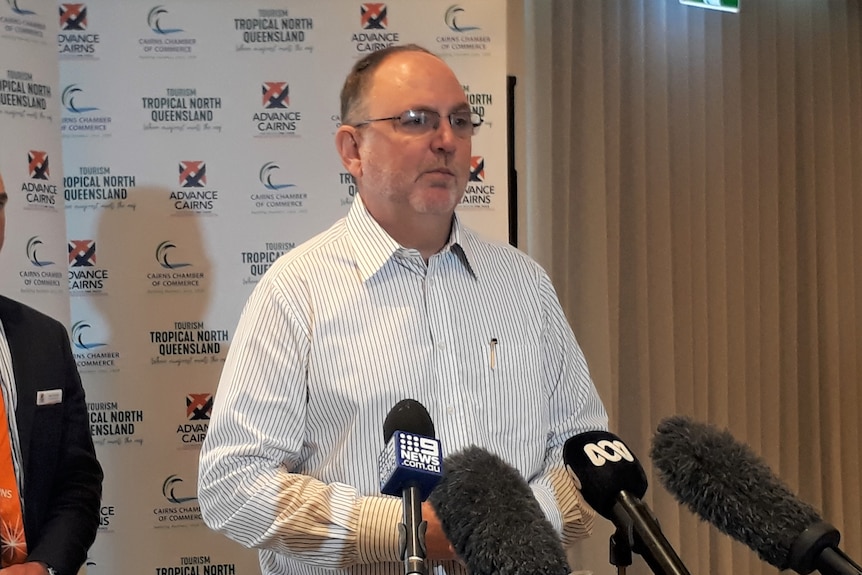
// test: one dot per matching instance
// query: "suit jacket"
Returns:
(62, 477)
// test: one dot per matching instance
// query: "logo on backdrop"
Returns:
(112, 426)
(188, 343)
(480, 103)
(173, 276)
(96, 187)
(82, 253)
(18, 9)
(193, 430)
(33, 246)
(194, 195)
(199, 406)
(374, 17)
(477, 169)
(154, 20)
(163, 253)
(182, 509)
(39, 193)
(107, 514)
(260, 261)
(80, 339)
(79, 116)
(374, 32)
(454, 18)
(479, 192)
(39, 166)
(267, 173)
(39, 278)
(167, 39)
(197, 564)
(276, 195)
(193, 174)
(91, 352)
(73, 16)
(20, 95)
(182, 110)
(275, 95)
(85, 277)
(463, 34)
(74, 41)
(348, 187)
(274, 29)
(275, 116)
(24, 24)
(70, 92)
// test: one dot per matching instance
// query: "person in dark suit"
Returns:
(62, 479)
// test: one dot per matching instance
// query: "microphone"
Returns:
(492, 518)
(612, 482)
(409, 468)
(727, 485)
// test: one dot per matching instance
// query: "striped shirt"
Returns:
(335, 334)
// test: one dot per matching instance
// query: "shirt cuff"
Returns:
(377, 533)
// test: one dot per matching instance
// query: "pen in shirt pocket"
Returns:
(493, 357)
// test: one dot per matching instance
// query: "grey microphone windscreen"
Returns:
(492, 519)
(726, 484)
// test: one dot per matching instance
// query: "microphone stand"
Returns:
(620, 551)
(639, 530)
(412, 532)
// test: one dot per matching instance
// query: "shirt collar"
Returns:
(373, 247)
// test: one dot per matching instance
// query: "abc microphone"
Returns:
(410, 467)
(726, 484)
(612, 482)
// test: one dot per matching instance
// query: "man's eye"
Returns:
(460, 121)
(416, 119)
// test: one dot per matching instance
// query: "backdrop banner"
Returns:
(197, 147)
(33, 260)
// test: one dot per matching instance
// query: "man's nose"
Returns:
(445, 139)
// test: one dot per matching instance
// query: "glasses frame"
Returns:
(406, 116)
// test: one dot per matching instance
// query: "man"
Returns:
(398, 300)
(58, 477)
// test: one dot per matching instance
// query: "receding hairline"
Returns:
(360, 79)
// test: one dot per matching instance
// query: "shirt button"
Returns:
(441, 346)
(450, 410)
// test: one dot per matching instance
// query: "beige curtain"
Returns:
(693, 182)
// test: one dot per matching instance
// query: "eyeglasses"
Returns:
(418, 122)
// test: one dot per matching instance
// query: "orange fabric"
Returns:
(13, 544)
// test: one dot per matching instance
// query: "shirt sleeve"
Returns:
(574, 407)
(248, 487)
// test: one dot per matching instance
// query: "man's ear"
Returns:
(347, 144)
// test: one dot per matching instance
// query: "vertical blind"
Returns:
(695, 190)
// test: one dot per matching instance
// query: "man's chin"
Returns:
(438, 201)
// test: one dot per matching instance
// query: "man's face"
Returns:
(405, 173)
(3, 199)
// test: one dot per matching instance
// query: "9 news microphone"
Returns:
(612, 482)
(726, 484)
(492, 518)
(410, 467)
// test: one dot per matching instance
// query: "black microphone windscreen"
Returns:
(408, 415)
(492, 519)
(604, 467)
(726, 484)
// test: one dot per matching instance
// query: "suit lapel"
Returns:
(20, 335)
